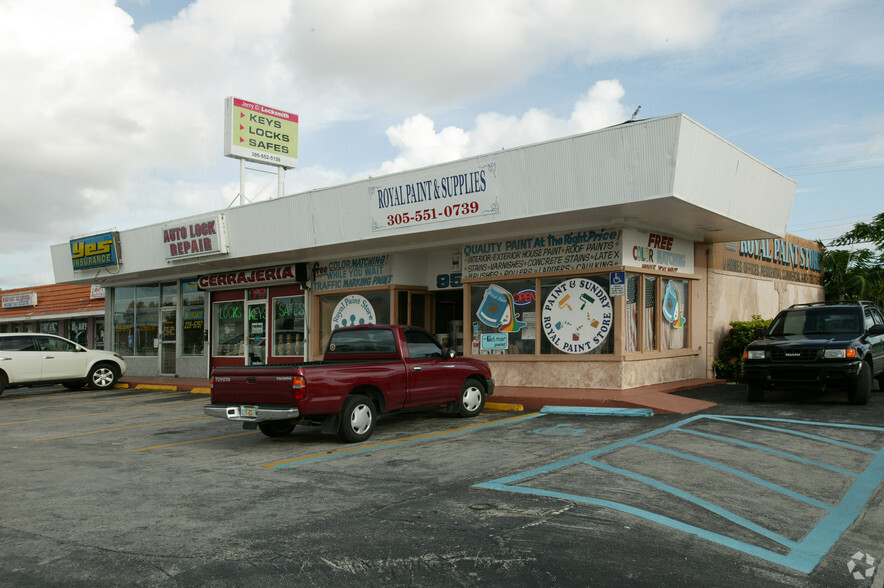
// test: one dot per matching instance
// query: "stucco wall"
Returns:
(556, 374)
(737, 297)
(605, 375)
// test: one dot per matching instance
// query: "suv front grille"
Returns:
(793, 354)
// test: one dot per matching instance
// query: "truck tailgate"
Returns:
(253, 385)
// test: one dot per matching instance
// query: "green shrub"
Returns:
(729, 360)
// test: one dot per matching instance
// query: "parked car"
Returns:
(367, 371)
(36, 359)
(819, 346)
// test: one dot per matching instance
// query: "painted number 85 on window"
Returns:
(448, 281)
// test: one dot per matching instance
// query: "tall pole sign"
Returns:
(260, 133)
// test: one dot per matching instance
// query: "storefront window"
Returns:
(78, 331)
(49, 327)
(503, 318)
(577, 316)
(124, 320)
(288, 326)
(344, 310)
(170, 294)
(229, 328)
(630, 337)
(674, 308)
(147, 300)
(193, 326)
(99, 333)
(649, 320)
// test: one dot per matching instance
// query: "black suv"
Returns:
(819, 346)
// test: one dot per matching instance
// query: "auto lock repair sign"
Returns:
(260, 133)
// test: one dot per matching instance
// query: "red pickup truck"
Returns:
(367, 371)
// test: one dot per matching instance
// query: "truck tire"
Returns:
(471, 400)
(357, 418)
(4, 381)
(277, 429)
(858, 393)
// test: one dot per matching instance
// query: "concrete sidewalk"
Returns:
(661, 398)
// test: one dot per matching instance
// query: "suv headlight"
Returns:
(839, 353)
(755, 354)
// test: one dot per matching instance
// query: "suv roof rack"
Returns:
(833, 303)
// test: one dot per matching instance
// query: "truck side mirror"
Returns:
(759, 333)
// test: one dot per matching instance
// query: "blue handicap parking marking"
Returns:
(781, 459)
(562, 429)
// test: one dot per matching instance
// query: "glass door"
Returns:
(168, 341)
(256, 329)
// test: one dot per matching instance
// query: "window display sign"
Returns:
(422, 197)
(577, 316)
(353, 310)
(353, 272)
(588, 249)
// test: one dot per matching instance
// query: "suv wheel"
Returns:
(859, 392)
(103, 376)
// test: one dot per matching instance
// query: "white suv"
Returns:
(35, 359)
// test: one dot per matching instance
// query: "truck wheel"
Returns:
(3, 382)
(357, 418)
(471, 400)
(756, 393)
(103, 376)
(859, 392)
(277, 428)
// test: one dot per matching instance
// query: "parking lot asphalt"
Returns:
(137, 487)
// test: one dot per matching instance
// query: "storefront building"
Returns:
(75, 312)
(579, 262)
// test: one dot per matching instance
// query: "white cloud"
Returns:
(419, 144)
(105, 125)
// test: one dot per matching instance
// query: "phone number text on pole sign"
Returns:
(431, 214)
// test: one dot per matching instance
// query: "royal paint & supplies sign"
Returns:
(421, 198)
(260, 133)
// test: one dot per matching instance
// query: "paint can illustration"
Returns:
(495, 303)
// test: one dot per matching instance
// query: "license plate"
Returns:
(249, 412)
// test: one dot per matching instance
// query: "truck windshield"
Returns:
(815, 321)
(362, 341)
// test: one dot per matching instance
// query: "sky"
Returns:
(113, 112)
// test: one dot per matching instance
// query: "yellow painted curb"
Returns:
(504, 406)
(201, 391)
(155, 387)
(121, 386)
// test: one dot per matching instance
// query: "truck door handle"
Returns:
(417, 368)
(251, 379)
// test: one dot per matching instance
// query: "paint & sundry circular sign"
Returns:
(577, 316)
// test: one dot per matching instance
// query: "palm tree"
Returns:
(856, 274)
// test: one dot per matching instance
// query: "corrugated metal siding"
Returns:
(659, 161)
